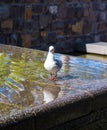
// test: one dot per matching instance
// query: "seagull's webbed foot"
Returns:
(53, 78)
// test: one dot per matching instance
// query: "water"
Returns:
(25, 83)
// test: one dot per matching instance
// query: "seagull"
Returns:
(51, 64)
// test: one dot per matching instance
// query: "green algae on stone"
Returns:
(6, 107)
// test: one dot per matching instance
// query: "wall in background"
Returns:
(63, 23)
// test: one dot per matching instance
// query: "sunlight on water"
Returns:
(25, 83)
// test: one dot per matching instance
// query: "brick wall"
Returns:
(63, 23)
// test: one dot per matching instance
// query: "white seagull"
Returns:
(51, 64)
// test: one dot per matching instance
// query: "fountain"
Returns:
(29, 100)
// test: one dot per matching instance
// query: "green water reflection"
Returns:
(25, 83)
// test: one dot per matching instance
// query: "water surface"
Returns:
(25, 83)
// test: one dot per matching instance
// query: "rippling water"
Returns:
(25, 83)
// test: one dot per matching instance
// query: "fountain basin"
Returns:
(29, 100)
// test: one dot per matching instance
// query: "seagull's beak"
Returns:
(52, 50)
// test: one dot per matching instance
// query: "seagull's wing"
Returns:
(58, 63)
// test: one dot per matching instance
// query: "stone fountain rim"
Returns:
(34, 112)
(56, 104)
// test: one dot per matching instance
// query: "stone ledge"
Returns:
(96, 48)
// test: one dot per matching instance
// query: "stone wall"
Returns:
(63, 23)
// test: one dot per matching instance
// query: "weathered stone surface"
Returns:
(16, 11)
(28, 12)
(31, 25)
(96, 48)
(38, 8)
(65, 45)
(62, 11)
(51, 37)
(57, 24)
(18, 24)
(30, 1)
(7, 24)
(45, 20)
(4, 11)
(65, 17)
(78, 27)
(26, 40)
(102, 16)
(101, 26)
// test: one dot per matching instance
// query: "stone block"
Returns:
(18, 24)
(61, 39)
(5, 1)
(79, 12)
(38, 8)
(3, 39)
(31, 25)
(26, 40)
(51, 37)
(101, 26)
(7, 24)
(65, 46)
(4, 11)
(17, 11)
(43, 33)
(96, 48)
(78, 27)
(35, 17)
(94, 27)
(30, 1)
(35, 35)
(45, 20)
(86, 9)
(53, 9)
(57, 24)
(97, 38)
(102, 6)
(55, 1)
(28, 12)
(102, 16)
(62, 11)
(60, 32)
(87, 27)
(70, 11)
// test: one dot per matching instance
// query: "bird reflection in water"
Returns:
(50, 93)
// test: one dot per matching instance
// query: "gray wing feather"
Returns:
(58, 63)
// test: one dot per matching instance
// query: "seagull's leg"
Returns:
(55, 75)
(52, 77)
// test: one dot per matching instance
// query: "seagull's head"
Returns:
(51, 49)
